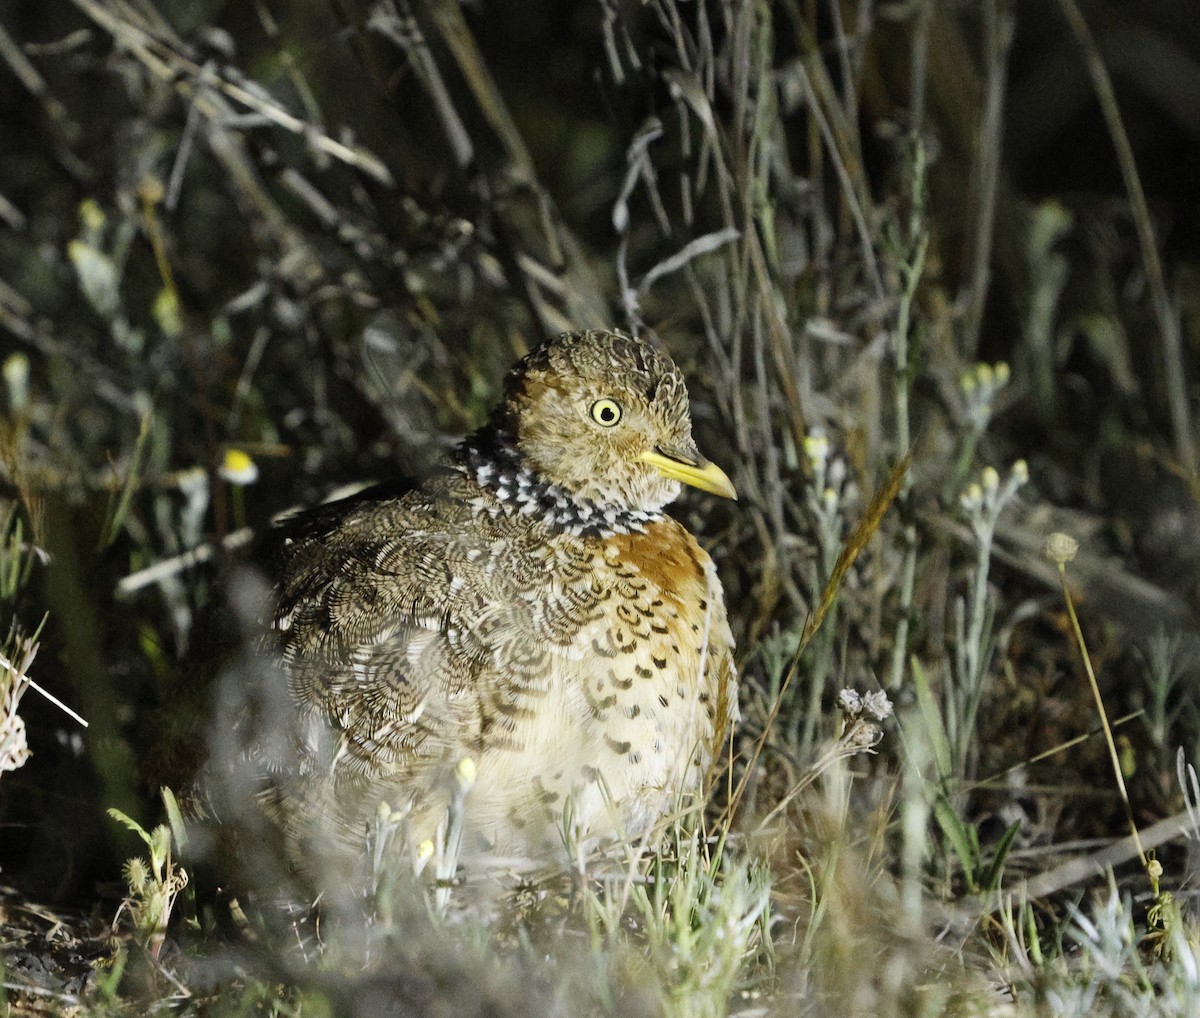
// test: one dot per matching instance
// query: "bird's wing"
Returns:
(374, 642)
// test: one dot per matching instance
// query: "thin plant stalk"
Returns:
(1061, 550)
(1168, 321)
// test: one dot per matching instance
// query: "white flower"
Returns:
(877, 705)
(850, 702)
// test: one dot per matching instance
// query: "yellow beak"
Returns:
(691, 469)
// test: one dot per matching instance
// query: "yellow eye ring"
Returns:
(606, 412)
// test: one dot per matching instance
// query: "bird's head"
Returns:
(606, 418)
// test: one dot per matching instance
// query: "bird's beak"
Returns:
(690, 468)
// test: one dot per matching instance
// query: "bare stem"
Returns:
(1108, 736)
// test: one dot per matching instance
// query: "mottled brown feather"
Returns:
(529, 608)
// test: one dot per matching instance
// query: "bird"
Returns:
(528, 614)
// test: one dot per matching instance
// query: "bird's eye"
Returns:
(606, 412)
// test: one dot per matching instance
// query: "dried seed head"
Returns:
(1061, 548)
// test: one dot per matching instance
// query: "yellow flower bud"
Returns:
(238, 468)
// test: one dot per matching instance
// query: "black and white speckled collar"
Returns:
(491, 458)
